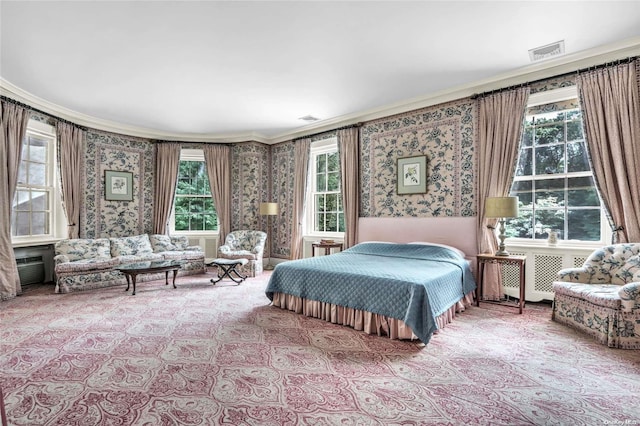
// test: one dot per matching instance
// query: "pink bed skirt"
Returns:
(365, 321)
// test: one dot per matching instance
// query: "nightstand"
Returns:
(328, 247)
(505, 260)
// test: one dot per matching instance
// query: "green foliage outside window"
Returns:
(329, 215)
(554, 181)
(194, 209)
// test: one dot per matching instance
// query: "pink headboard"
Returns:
(459, 232)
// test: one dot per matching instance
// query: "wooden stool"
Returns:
(228, 266)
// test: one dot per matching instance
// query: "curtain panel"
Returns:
(71, 147)
(301, 149)
(166, 180)
(349, 152)
(611, 111)
(218, 160)
(500, 124)
(13, 127)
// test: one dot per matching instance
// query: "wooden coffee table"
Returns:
(132, 270)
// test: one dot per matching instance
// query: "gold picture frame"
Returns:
(412, 175)
(118, 186)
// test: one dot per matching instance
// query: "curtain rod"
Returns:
(328, 131)
(579, 71)
(30, 108)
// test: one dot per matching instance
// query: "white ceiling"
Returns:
(249, 70)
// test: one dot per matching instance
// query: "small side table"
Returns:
(507, 260)
(328, 248)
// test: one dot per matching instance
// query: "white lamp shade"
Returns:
(268, 209)
(500, 207)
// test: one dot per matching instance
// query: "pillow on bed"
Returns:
(460, 252)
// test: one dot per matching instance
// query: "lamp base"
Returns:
(268, 267)
(501, 253)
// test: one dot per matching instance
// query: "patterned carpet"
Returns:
(211, 355)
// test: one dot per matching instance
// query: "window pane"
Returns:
(584, 225)
(37, 174)
(331, 222)
(37, 150)
(333, 181)
(525, 163)
(331, 201)
(523, 190)
(527, 135)
(520, 227)
(39, 200)
(181, 222)
(582, 192)
(320, 206)
(39, 223)
(321, 182)
(22, 200)
(21, 224)
(549, 134)
(577, 160)
(321, 163)
(550, 159)
(333, 162)
(547, 220)
(574, 131)
(320, 222)
(549, 192)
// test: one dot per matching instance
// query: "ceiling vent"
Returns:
(309, 118)
(544, 52)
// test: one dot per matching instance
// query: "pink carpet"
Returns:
(211, 355)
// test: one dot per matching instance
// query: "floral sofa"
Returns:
(83, 264)
(602, 298)
(245, 244)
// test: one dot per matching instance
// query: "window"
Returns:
(553, 178)
(325, 214)
(193, 209)
(36, 203)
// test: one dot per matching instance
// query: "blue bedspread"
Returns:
(411, 282)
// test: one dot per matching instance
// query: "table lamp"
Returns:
(268, 209)
(501, 208)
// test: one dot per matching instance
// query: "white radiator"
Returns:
(543, 264)
(209, 245)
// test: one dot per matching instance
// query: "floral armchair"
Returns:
(602, 298)
(245, 244)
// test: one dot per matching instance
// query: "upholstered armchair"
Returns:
(602, 298)
(245, 244)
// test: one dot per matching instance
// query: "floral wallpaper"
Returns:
(102, 218)
(249, 184)
(446, 134)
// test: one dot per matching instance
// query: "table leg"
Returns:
(175, 272)
(480, 282)
(133, 279)
(522, 289)
(166, 277)
(128, 283)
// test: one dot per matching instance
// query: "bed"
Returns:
(404, 291)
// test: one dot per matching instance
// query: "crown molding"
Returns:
(545, 69)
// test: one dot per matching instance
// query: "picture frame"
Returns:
(118, 186)
(412, 175)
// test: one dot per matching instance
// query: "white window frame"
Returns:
(57, 219)
(189, 155)
(325, 146)
(541, 98)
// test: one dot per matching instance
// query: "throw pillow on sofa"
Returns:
(131, 246)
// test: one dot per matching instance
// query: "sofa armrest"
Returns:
(224, 249)
(630, 296)
(574, 275)
(60, 258)
(193, 248)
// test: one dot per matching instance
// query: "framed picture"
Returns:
(412, 175)
(118, 186)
